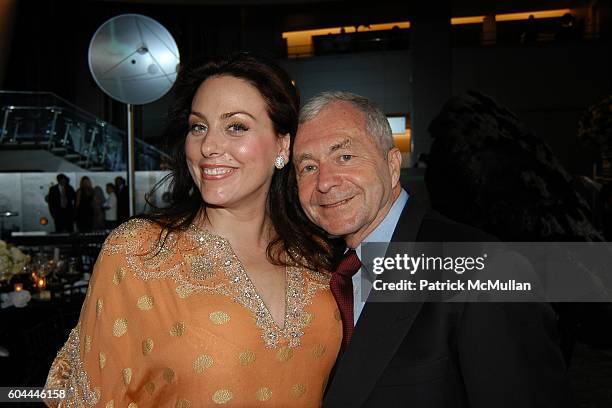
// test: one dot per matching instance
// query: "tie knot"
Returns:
(349, 265)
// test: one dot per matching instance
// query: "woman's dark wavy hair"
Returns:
(303, 242)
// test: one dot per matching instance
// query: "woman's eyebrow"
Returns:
(230, 114)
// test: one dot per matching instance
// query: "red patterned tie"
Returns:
(341, 285)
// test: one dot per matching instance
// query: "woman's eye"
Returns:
(237, 127)
(346, 157)
(197, 128)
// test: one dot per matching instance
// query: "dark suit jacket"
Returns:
(123, 204)
(55, 199)
(426, 354)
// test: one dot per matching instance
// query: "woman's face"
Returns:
(231, 144)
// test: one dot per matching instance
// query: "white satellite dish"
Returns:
(134, 60)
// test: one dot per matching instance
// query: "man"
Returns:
(123, 199)
(411, 354)
(61, 200)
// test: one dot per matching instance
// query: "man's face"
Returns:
(346, 184)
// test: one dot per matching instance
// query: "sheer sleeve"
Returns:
(95, 364)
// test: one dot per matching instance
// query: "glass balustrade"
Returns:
(44, 120)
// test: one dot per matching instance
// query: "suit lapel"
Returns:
(381, 328)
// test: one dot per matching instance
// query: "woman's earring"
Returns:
(279, 162)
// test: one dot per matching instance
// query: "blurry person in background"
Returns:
(487, 169)
(85, 197)
(98, 209)
(421, 162)
(123, 199)
(606, 199)
(110, 207)
(569, 29)
(530, 35)
(61, 204)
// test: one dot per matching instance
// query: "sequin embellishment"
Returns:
(209, 265)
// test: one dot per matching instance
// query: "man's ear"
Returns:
(394, 161)
(284, 144)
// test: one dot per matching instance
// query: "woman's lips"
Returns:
(216, 172)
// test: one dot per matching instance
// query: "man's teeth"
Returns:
(215, 171)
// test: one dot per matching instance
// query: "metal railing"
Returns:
(44, 120)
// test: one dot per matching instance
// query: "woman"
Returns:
(98, 209)
(110, 207)
(85, 205)
(220, 298)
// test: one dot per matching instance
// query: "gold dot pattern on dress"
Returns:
(132, 405)
(201, 363)
(168, 375)
(183, 291)
(87, 344)
(99, 307)
(102, 359)
(145, 302)
(219, 317)
(118, 276)
(318, 350)
(150, 388)
(337, 315)
(246, 357)
(97, 393)
(120, 327)
(127, 376)
(182, 403)
(284, 354)
(177, 329)
(147, 347)
(298, 390)
(222, 396)
(307, 318)
(110, 404)
(263, 394)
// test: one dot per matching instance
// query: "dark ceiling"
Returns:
(459, 7)
(304, 14)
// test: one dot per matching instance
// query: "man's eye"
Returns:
(198, 128)
(346, 157)
(309, 168)
(237, 127)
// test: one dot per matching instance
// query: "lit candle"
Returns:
(42, 282)
(18, 287)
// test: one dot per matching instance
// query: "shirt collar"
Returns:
(382, 233)
(384, 230)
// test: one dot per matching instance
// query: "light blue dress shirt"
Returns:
(382, 233)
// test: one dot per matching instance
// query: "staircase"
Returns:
(43, 120)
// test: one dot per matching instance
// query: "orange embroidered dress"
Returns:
(182, 325)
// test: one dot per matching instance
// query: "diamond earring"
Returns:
(279, 162)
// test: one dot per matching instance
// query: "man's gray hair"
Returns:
(376, 122)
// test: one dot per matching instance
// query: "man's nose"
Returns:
(327, 178)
